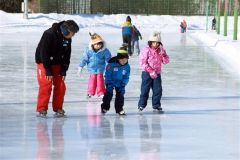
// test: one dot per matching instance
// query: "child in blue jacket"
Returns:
(116, 77)
(127, 31)
(95, 57)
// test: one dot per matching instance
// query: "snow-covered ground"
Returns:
(201, 95)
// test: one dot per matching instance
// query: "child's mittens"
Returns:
(80, 71)
(153, 75)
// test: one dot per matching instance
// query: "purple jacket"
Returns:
(151, 59)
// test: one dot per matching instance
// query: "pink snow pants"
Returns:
(96, 82)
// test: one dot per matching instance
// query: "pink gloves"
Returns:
(153, 75)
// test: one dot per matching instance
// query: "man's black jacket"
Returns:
(53, 49)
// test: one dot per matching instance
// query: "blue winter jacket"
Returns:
(127, 28)
(116, 75)
(96, 61)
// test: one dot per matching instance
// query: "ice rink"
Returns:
(200, 98)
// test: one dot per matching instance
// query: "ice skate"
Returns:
(159, 110)
(140, 109)
(89, 96)
(60, 113)
(103, 111)
(42, 114)
(122, 113)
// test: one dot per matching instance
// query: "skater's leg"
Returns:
(119, 101)
(132, 45)
(129, 41)
(145, 88)
(107, 100)
(59, 89)
(137, 47)
(100, 85)
(92, 84)
(125, 39)
(157, 92)
(45, 88)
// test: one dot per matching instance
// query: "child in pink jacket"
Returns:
(151, 59)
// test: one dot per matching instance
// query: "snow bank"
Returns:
(226, 50)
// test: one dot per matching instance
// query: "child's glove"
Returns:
(80, 71)
(153, 75)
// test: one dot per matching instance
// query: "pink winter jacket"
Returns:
(151, 59)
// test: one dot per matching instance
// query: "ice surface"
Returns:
(200, 98)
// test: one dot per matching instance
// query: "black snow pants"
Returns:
(127, 39)
(119, 100)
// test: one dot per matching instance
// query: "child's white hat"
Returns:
(155, 37)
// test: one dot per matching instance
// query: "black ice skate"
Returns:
(89, 96)
(159, 110)
(103, 111)
(122, 113)
(140, 109)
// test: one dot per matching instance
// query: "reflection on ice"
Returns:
(150, 136)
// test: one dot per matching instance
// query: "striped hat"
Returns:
(122, 53)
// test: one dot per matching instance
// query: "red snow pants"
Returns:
(45, 88)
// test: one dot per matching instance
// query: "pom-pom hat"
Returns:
(122, 53)
(155, 37)
(95, 38)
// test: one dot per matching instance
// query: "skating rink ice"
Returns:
(201, 101)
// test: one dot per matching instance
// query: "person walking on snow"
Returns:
(53, 58)
(127, 31)
(151, 59)
(95, 57)
(135, 40)
(116, 77)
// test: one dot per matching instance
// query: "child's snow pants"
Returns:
(155, 85)
(128, 40)
(45, 88)
(135, 47)
(96, 81)
(119, 100)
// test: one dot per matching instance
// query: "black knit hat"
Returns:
(122, 53)
(128, 19)
(71, 26)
